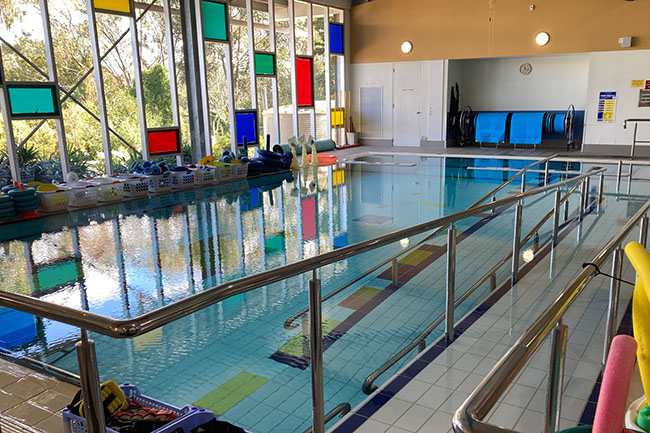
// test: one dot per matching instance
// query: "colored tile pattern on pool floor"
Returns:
(298, 344)
(359, 298)
(231, 392)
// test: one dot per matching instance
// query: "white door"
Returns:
(407, 103)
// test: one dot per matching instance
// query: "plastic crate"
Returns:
(76, 424)
(239, 171)
(52, 201)
(159, 184)
(135, 185)
(224, 173)
(110, 189)
(183, 179)
(82, 194)
(204, 176)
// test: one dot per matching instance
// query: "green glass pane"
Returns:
(57, 275)
(214, 21)
(32, 101)
(264, 64)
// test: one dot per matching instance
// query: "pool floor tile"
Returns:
(231, 392)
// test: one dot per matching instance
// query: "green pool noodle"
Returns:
(643, 419)
(321, 146)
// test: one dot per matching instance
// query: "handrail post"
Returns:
(629, 178)
(546, 173)
(566, 210)
(316, 334)
(494, 198)
(587, 188)
(516, 244)
(556, 215)
(601, 185)
(523, 182)
(612, 310)
(91, 394)
(451, 283)
(394, 272)
(643, 231)
(555, 377)
(581, 208)
(619, 169)
(634, 140)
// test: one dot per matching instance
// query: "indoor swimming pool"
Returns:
(237, 358)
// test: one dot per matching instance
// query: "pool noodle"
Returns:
(640, 259)
(612, 399)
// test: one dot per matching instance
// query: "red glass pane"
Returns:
(164, 142)
(305, 81)
(308, 208)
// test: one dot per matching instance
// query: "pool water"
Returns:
(236, 357)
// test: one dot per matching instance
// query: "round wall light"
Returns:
(407, 47)
(542, 38)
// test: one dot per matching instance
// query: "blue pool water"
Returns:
(236, 356)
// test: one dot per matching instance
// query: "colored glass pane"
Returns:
(336, 38)
(215, 26)
(338, 117)
(308, 207)
(119, 6)
(33, 101)
(164, 141)
(246, 124)
(264, 64)
(305, 81)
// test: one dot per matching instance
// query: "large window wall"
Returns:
(161, 66)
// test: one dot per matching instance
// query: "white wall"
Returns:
(432, 93)
(496, 84)
(613, 71)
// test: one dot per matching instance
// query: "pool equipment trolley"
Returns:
(189, 417)
(515, 127)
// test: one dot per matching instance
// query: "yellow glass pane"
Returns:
(120, 6)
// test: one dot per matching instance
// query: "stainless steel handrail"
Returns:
(634, 140)
(127, 328)
(289, 323)
(368, 384)
(468, 418)
(341, 410)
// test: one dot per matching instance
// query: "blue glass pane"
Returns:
(336, 38)
(246, 127)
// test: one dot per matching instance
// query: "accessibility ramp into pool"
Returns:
(153, 320)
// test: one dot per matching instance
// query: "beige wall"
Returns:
(455, 29)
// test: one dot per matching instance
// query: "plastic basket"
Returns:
(182, 179)
(135, 185)
(53, 201)
(76, 424)
(110, 190)
(82, 194)
(239, 171)
(204, 176)
(224, 173)
(159, 184)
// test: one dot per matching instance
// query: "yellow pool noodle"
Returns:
(640, 259)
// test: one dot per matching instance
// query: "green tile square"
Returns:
(366, 292)
(215, 21)
(294, 346)
(264, 64)
(234, 390)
